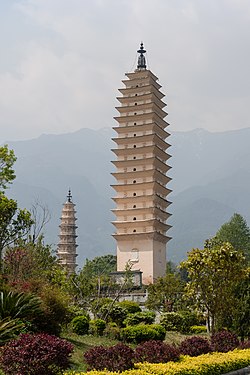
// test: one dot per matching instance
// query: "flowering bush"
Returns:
(35, 354)
(195, 346)
(115, 358)
(224, 341)
(156, 352)
(143, 332)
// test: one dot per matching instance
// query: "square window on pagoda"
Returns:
(134, 135)
(134, 169)
(135, 94)
(134, 218)
(134, 146)
(134, 254)
(134, 206)
(134, 123)
(134, 194)
(135, 113)
(134, 157)
(135, 103)
(134, 230)
(134, 182)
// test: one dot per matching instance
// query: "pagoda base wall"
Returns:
(148, 256)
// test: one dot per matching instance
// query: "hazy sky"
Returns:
(62, 62)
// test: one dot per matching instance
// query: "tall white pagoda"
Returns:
(66, 249)
(141, 175)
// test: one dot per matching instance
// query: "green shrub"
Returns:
(189, 319)
(172, 321)
(146, 317)
(80, 325)
(198, 329)
(9, 328)
(130, 306)
(97, 326)
(113, 313)
(55, 307)
(112, 331)
(179, 321)
(143, 332)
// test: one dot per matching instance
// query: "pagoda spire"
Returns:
(141, 58)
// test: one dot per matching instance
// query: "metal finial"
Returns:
(141, 58)
(69, 196)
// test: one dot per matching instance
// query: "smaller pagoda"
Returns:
(66, 249)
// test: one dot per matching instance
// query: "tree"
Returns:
(15, 223)
(101, 265)
(237, 233)
(166, 293)
(7, 159)
(213, 273)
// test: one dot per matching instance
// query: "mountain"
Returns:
(210, 172)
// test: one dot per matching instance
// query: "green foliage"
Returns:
(9, 328)
(30, 261)
(146, 317)
(97, 326)
(113, 312)
(101, 265)
(237, 233)
(198, 329)
(112, 331)
(21, 306)
(80, 325)
(7, 159)
(130, 306)
(55, 310)
(172, 321)
(166, 293)
(213, 273)
(240, 316)
(14, 223)
(143, 332)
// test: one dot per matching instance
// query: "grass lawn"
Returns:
(82, 344)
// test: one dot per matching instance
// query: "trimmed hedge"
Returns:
(156, 352)
(143, 332)
(206, 364)
(224, 341)
(80, 325)
(181, 321)
(41, 354)
(97, 326)
(146, 317)
(194, 346)
(114, 358)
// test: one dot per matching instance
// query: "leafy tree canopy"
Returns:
(7, 159)
(100, 266)
(213, 273)
(237, 233)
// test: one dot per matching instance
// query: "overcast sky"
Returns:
(62, 62)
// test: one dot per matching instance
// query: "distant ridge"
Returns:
(211, 181)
